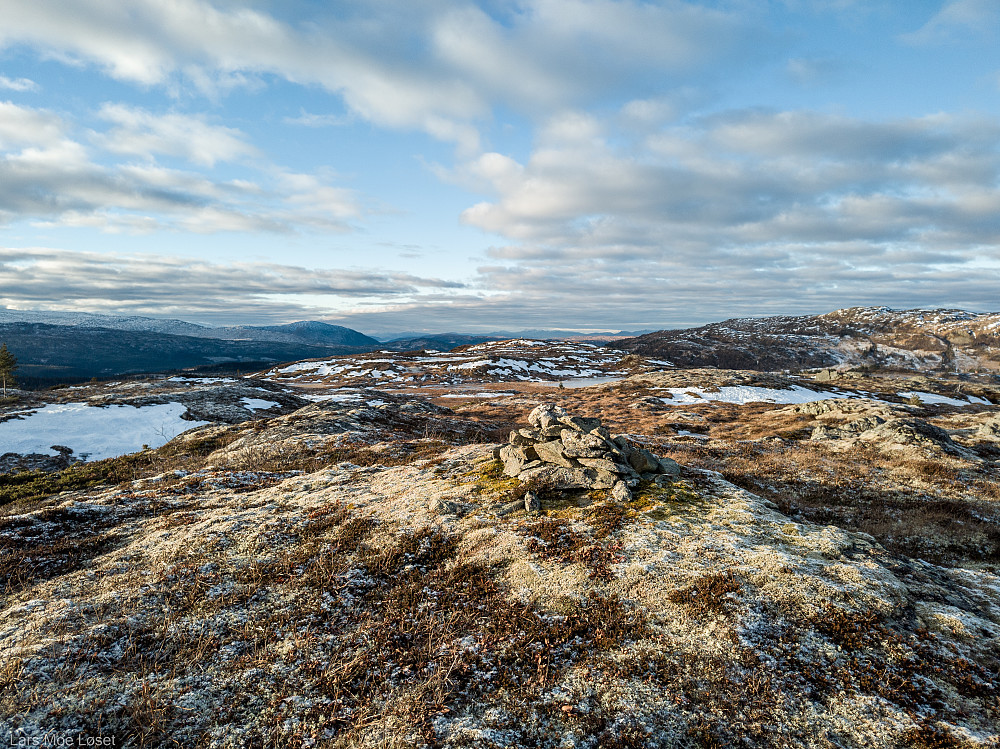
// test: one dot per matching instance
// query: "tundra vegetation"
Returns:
(631, 564)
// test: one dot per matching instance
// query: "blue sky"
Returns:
(426, 165)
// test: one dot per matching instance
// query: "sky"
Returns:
(423, 165)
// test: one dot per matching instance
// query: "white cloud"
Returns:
(45, 278)
(141, 133)
(308, 119)
(813, 71)
(781, 205)
(431, 66)
(52, 179)
(17, 84)
(21, 126)
(956, 19)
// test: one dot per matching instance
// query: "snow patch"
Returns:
(748, 394)
(92, 432)
(257, 404)
(930, 399)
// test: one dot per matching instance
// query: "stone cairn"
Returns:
(573, 452)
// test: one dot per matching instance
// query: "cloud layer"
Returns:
(614, 185)
(424, 64)
(52, 175)
(160, 285)
(750, 209)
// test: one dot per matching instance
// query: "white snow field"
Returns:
(92, 432)
(749, 394)
(935, 399)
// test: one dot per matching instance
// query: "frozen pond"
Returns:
(93, 432)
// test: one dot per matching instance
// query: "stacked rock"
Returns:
(573, 452)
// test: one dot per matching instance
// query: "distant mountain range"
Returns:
(64, 346)
(506, 335)
(62, 353)
(311, 332)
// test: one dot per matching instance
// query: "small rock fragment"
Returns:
(621, 492)
(532, 502)
(445, 506)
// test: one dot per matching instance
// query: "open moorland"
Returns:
(515, 544)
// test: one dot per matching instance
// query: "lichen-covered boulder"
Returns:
(546, 415)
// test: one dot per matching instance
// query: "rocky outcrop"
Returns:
(989, 429)
(562, 451)
(859, 337)
(873, 421)
(912, 432)
(14, 462)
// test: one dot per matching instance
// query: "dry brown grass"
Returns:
(937, 509)
(709, 595)
(264, 458)
(413, 631)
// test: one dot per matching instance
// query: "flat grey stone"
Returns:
(599, 464)
(552, 452)
(561, 478)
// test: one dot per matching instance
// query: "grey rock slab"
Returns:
(561, 478)
(599, 464)
(669, 466)
(644, 461)
(581, 423)
(604, 479)
(524, 436)
(552, 452)
(576, 445)
(601, 432)
(514, 458)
